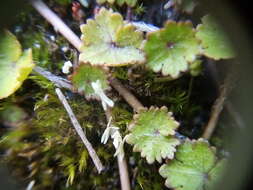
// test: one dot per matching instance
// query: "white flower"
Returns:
(67, 65)
(30, 185)
(117, 139)
(118, 142)
(99, 92)
(108, 132)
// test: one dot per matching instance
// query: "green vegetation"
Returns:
(163, 69)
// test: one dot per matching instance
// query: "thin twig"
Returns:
(215, 113)
(79, 131)
(236, 116)
(122, 164)
(127, 95)
(58, 81)
(218, 107)
(144, 27)
(124, 176)
(129, 14)
(57, 23)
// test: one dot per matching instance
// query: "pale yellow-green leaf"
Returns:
(12, 74)
(10, 48)
(152, 134)
(108, 41)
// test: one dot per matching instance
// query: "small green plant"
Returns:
(114, 47)
(195, 167)
(172, 48)
(85, 75)
(152, 134)
(108, 41)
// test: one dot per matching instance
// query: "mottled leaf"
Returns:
(152, 134)
(108, 41)
(84, 75)
(172, 48)
(195, 167)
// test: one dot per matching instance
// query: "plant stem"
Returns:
(79, 131)
(124, 176)
(58, 81)
(216, 110)
(122, 164)
(190, 90)
(218, 106)
(129, 14)
(144, 27)
(127, 95)
(228, 104)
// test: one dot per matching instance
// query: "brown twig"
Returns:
(122, 164)
(124, 176)
(129, 13)
(127, 95)
(79, 131)
(218, 107)
(57, 23)
(58, 81)
(228, 104)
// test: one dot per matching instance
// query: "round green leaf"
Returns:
(152, 134)
(84, 75)
(108, 41)
(171, 48)
(194, 168)
(215, 43)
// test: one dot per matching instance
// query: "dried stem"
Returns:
(57, 23)
(129, 14)
(122, 164)
(144, 27)
(215, 113)
(124, 176)
(218, 107)
(127, 95)
(79, 131)
(58, 81)
(228, 104)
